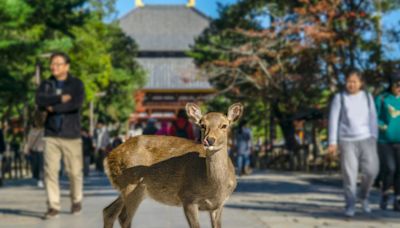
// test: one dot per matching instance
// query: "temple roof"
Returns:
(164, 27)
(172, 73)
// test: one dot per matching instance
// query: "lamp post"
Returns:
(38, 70)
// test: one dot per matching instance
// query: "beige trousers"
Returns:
(71, 151)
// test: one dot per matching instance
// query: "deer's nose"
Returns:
(210, 141)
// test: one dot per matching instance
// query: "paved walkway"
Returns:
(266, 199)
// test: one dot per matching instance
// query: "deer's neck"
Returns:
(217, 165)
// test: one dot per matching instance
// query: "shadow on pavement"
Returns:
(24, 213)
(274, 199)
(278, 187)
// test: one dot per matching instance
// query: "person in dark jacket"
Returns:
(150, 128)
(62, 96)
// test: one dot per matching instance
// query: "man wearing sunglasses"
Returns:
(62, 96)
(388, 109)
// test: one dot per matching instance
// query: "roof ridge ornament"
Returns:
(139, 3)
(191, 3)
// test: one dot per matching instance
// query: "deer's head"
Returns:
(214, 126)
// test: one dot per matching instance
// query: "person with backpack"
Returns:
(388, 109)
(181, 127)
(353, 128)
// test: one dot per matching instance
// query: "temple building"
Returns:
(164, 34)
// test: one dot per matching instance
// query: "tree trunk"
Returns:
(288, 130)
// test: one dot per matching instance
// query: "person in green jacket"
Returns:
(388, 111)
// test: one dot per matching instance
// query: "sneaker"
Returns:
(365, 206)
(76, 208)
(384, 201)
(350, 212)
(40, 184)
(51, 213)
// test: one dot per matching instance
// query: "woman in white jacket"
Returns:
(353, 128)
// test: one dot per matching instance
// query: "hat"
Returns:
(395, 77)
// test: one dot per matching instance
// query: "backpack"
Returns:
(181, 132)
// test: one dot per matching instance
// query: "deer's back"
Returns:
(139, 153)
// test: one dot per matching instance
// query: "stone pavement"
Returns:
(264, 199)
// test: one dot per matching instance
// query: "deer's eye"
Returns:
(203, 126)
(224, 126)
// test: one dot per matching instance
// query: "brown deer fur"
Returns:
(175, 171)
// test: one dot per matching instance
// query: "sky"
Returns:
(209, 7)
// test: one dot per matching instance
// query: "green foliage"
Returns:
(103, 57)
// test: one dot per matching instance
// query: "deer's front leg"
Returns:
(192, 214)
(215, 216)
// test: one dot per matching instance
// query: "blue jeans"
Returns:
(243, 160)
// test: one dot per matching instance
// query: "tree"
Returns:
(103, 57)
(17, 42)
(294, 62)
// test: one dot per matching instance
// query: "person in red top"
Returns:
(181, 127)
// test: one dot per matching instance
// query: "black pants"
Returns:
(390, 160)
(37, 164)
(101, 154)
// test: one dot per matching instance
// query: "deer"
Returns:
(175, 171)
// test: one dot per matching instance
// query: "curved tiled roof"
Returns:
(164, 27)
(172, 73)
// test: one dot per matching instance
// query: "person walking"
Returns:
(353, 128)
(87, 147)
(102, 140)
(62, 96)
(34, 147)
(388, 109)
(17, 149)
(243, 143)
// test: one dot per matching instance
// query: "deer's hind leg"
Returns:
(111, 212)
(132, 196)
(215, 216)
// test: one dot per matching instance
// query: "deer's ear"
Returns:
(235, 112)
(194, 113)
